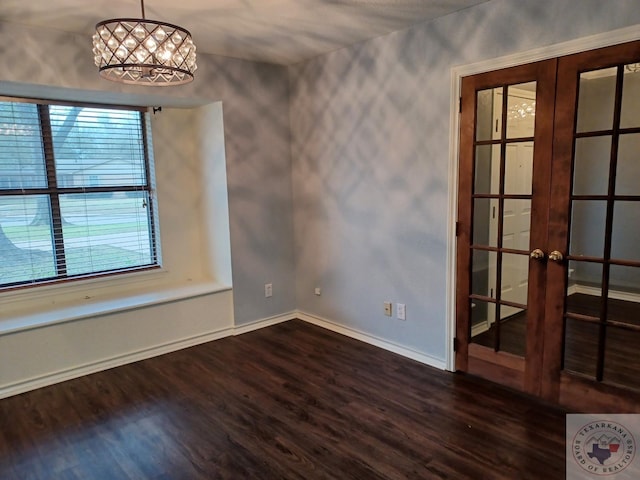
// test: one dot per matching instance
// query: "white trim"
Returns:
(597, 292)
(372, 340)
(570, 47)
(120, 360)
(17, 323)
(265, 322)
(82, 286)
(600, 40)
(452, 209)
(479, 328)
(87, 369)
(117, 361)
(571, 289)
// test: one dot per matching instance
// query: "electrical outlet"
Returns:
(388, 309)
(318, 291)
(401, 311)
(268, 290)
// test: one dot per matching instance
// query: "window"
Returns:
(76, 192)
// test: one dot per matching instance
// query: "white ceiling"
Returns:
(276, 31)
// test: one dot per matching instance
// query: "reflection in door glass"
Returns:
(626, 231)
(487, 171)
(515, 280)
(621, 357)
(591, 165)
(581, 347)
(630, 94)
(483, 276)
(484, 229)
(518, 173)
(596, 100)
(624, 284)
(628, 167)
(482, 318)
(584, 290)
(513, 332)
(521, 110)
(489, 114)
(588, 227)
(516, 224)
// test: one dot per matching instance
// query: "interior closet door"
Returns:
(592, 342)
(505, 162)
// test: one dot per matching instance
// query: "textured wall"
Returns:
(38, 62)
(370, 150)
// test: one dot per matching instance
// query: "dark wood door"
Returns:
(576, 338)
(505, 162)
(593, 291)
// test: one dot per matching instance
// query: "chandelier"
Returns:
(522, 110)
(632, 67)
(141, 51)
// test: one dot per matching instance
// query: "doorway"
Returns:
(547, 259)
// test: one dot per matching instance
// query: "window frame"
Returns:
(54, 192)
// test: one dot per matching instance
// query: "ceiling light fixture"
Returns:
(632, 67)
(141, 51)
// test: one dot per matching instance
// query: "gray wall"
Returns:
(256, 134)
(370, 146)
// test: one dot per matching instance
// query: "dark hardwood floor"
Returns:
(292, 401)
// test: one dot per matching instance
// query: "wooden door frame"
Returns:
(457, 73)
(517, 372)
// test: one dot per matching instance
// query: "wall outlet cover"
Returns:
(401, 311)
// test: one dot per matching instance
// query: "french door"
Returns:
(548, 252)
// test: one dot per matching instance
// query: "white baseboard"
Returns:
(479, 329)
(87, 369)
(373, 340)
(265, 322)
(596, 292)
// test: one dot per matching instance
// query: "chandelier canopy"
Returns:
(141, 51)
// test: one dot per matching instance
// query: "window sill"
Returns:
(13, 323)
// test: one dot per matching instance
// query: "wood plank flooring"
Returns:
(292, 401)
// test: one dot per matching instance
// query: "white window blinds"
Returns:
(75, 192)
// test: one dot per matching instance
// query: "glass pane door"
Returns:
(502, 198)
(505, 157)
(602, 313)
(548, 256)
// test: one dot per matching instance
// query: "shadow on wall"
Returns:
(369, 194)
(192, 193)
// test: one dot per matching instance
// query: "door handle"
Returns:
(537, 254)
(556, 256)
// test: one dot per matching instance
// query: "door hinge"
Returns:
(460, 105)
(455, 344)
(457, 229)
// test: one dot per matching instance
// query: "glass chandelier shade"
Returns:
(140, 51)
